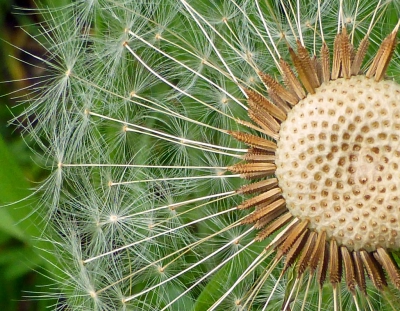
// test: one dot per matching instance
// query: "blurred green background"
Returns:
(23, 268)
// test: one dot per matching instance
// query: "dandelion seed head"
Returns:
(93, 294)
(114, 218)
(223, 155)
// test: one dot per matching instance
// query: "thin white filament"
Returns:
(260, 282)
(267, 30)
(289, 21)
(159, 234)
(210, 273)
(161, 78)
(184, 141)
(335, 299)
(356, 302)
(245, 273)
(255, 262)
(258, 33)
(299, 24)
(373, 18)
(320, 20)
(288, 300)
(354, 22)
(143, 166)
(306, 293)
(173, 206)
(162, 109)
(188, 68)
(162, 135)
(273, 290)
(179, 251)
(224, 195)
(340, 17)
(191, 267)
(193, 12)
(175, 114)
(174, 178)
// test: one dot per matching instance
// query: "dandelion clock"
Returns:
(221, 155)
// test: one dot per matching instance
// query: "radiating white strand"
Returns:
(142, 166)
(307, 290)
(289, 21)
(180, 204)
(296, 20)
(30, 87)
(245, 273)
(48, 63)
(258, 33)
(320, 21)
(204, 61)
(298, 289)
(224, 195)
(288, 300)
(166, 220)
(389, 300)
(340, 298)
(369, 303)
(373, 18)
(356, 302)
(162, 135)
(228, 75)
(185, 142)
(277, 282)
(162, 109)
(335, 302)
(319, 298)
(172, 113)
(181, 142)
(182, 250)
(225, 21)
(252, 266)
(161, 78)
(189, 268)
(260, 282)
(158, 234)
(206, 275)
(243, 276)
(299, 23)
(189, 143)
(193, 12)
(174, 178)
(217, 197)
(315, 37)
(267, 30)
(190, 69)
(340, 17)
(354, 22)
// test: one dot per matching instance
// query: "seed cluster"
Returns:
(338, 161)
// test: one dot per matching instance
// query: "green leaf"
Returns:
(13, 187)
(18, 220)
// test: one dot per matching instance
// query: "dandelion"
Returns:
(221, 155)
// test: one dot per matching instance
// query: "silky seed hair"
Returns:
(221, 155)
